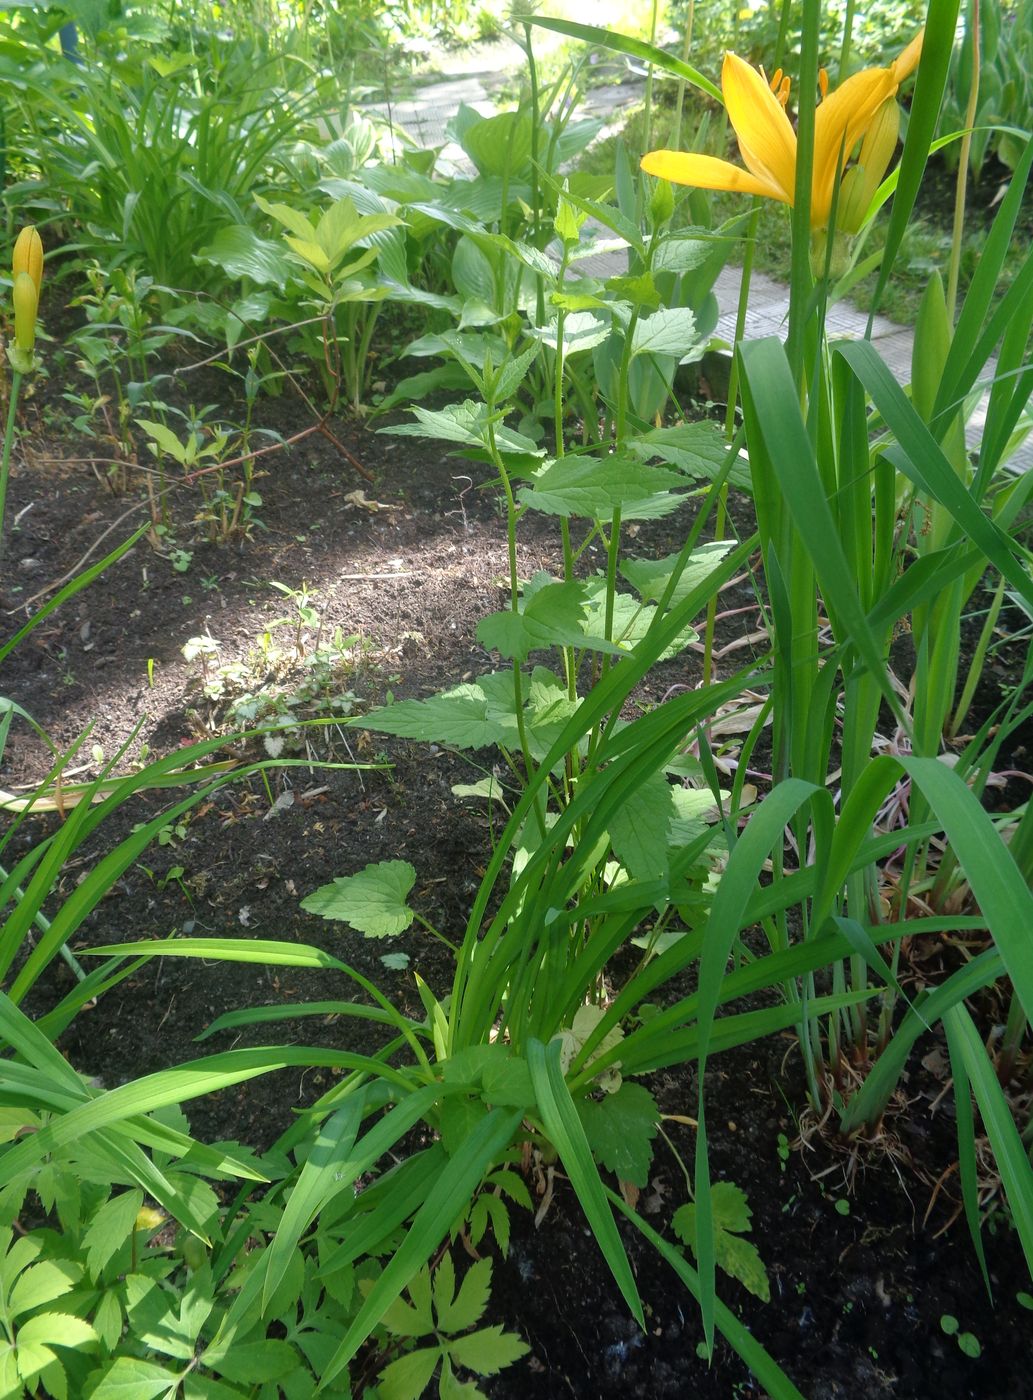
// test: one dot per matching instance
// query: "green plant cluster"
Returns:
(643, 906)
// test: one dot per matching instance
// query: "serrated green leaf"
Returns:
(262, 1360)
(552, 615)
(488, 1351)
(465, 423)
(581, 329)
(507, 1083)
(620, 1131)
(467, 1308)
(488, 1208)
(514, 372)
(738, 1258)
(42, 1283)
(36, 1361)
(373, 901)
(197, 1387)
(651, 576)
(669, 331)
(595, 487)
(443, 1288)
(152, 1319)
(57, 1330)
(729, 1206)
(458, 1118)
(130, 1379)
(469, 716)
(109, 1229)
(107, 1320)
(639, 829)
(408, 1377)
(697, 449)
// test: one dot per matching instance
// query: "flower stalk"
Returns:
(27, 278)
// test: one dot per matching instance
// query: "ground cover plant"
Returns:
(694, 846)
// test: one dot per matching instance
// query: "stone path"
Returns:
(472, 77)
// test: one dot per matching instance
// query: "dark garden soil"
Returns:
(864, 1252)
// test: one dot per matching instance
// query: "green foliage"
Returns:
(373, 902)
(731, 1220)
(439, 1311)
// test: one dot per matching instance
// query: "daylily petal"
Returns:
(905, 63)
(767, 140)
(709, 173)
(839, 123)
(844, 117)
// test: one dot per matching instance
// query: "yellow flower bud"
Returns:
(28, 255)
(148, 1219)
(862, 180)
(26, 303)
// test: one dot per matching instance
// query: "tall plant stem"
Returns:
(648, 132)
(686, 49)
(961, 186)
(5, 462)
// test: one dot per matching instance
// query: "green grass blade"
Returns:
(967, 1169)
(1011, 1156)
(773, 408)
(324, 1175)
(938, 45)
(922, 459)
(761, 1364)
(633, 48)
(565, 1132)
(874, 1094)
(1002, 894)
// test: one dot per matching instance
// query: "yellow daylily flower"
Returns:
(28, 255)
(767, 141)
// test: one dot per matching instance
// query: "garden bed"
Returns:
(864, 1244)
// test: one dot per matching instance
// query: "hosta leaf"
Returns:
(620, 1131)
(408, 1377)
(594, 488)
(499, 143)
(697, 449)
(488, 1350)
(639, 829)
(669, 331)
(239, 252)
(373, 901)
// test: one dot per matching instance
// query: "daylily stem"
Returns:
(5, 463)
